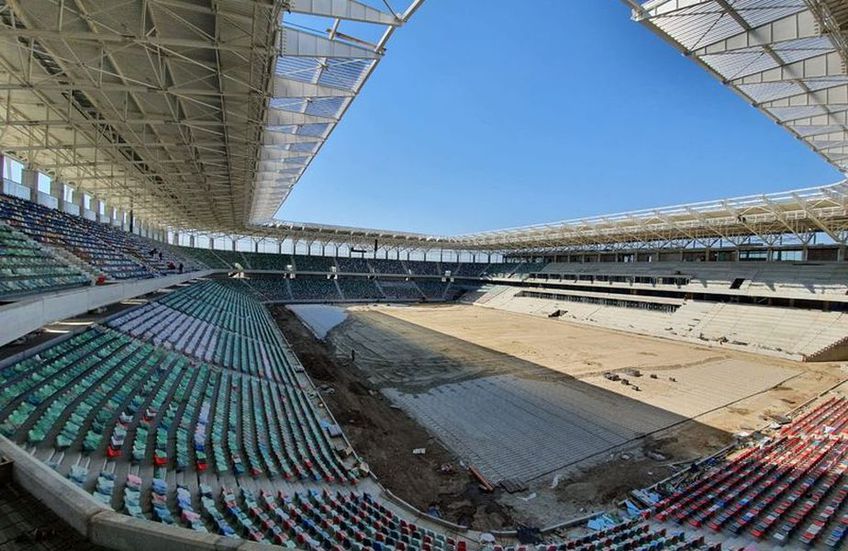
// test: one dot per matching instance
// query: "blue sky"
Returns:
(484, 115)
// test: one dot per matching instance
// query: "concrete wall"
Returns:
(24, 316)
(100, 524)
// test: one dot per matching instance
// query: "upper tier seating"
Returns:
(790, 279)
(353, 265)
(471, 269)
(791, 488)
(267, 261)
(529, 268)
(387, 266)
(323, 264)
(26, 268)
(207, 257)
(452, 267)
(419, 267)
(502, 269)
(99, 245)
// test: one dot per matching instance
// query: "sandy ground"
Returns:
(422, 351)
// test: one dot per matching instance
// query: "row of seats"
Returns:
(359, 289)
(223, 259)
(27, 268)
(762, 278)
(111, 251)
(792, 487)
(273, 288)
(111, 395)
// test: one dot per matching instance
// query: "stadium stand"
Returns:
(306, 288)
(269, 287)
(357, 288)
(95, 244)
(789, 489)
(206, 257)
(353, 265)
(452, 267)
(788, 279)
(323, 264)
(432, 289)
(500, 270)
(419, 267)
(471, 269)
(267, 261)
(385, 266)
(67, 398)
(398, 289)
(25, 268)
(794, 333)
(104, 249)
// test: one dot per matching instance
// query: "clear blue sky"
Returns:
(487, 114)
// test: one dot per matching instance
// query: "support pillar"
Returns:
(57, 190)
(29, 179)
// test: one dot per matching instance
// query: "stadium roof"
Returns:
(800, 214)
(196, 114)
(787, 58)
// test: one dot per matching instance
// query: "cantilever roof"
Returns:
(196, 114)
(800, 213)
(785, 57)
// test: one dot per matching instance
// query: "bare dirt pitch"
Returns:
(525, 400)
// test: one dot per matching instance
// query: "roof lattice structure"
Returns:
(194, 114)
(785, 57)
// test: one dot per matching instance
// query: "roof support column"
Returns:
(57, 191)
(29, 179)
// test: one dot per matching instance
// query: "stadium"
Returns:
(182, 369)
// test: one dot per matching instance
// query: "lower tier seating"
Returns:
(268, 287)
(400, 290)
(433, 289)
(358, 288)
(103, 393)
(790, 490)
(314, 288)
